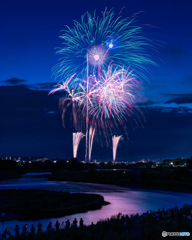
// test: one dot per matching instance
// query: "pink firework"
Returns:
(113, 94)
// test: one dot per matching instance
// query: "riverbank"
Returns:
(18, 204)
(148, 225)
(178, 179)
(9, 170)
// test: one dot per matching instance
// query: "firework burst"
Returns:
(113, 94)
(102, 51)
(97, 56)
(111, 101)
(103, 39)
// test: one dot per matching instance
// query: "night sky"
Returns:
(30, 120)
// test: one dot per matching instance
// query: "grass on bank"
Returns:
(39, 204)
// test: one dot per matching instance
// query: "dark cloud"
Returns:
(165, 134)
(180, 98)
(145, 104)
(14, 81)
(27, 127)
(44, 86)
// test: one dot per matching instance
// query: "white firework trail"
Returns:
(91, 136)
(115, 140)
(76, 140)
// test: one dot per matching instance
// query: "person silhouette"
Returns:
(67, 224)
(5, 233)
(62, 225)
(24, 229)
(32, 229)
(57, 224)
(16, 231)
(39, 227)
(75, 223)
(49, 226)
(81, 223)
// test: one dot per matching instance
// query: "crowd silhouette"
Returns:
(64, 225)
(182, 214)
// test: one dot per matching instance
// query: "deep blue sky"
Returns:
(30, 121)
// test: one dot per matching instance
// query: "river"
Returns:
(124, 200)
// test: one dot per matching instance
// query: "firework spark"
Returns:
(103, 39)
(76, 140)
(91, 136)
(115, 140)
(97, 56)
(113, 94)
(111, 101)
